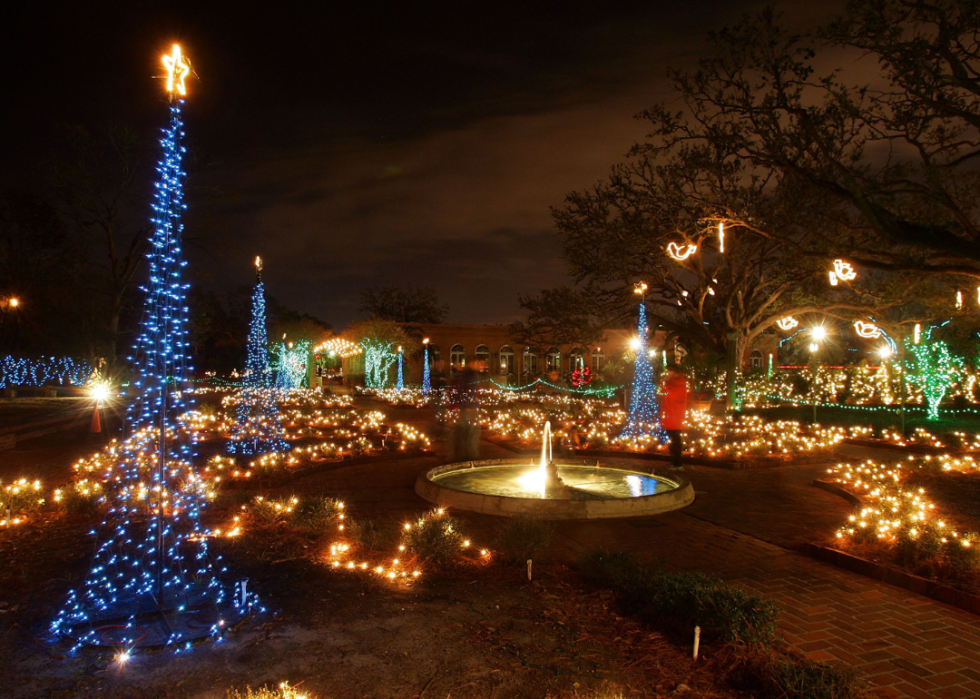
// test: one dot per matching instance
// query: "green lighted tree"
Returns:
(935, 370)
(380, 340)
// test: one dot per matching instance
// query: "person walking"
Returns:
(673, 411)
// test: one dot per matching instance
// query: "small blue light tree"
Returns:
(258, 429)
(643, 413)
(426, 371)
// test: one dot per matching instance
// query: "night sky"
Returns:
(365, 143)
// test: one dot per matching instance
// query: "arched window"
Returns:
(553, 359)
(482, 357)
(576, 359)
(755, 358)
(457, 356)
(530, 362)
(598, 359)
(506, 360)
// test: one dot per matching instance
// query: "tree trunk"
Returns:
(733, 362)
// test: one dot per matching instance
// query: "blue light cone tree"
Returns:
(400, 380)
(258, 429)
(644, 411)
(152, 580)
(426, 373)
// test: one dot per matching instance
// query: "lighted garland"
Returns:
(62, 371)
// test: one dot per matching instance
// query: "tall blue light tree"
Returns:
(400, 380)
(258, 429)
(152, 580)
(644, 413)
(426, 371)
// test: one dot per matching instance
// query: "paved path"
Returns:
(911, 645)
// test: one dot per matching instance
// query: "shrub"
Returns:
(770, 675)
(270, 511)
(20, 497)
(375, 534)
(434, 538)
(318, 514)
(283, 691)
(520, 538)
(681, 601)
(81, 497)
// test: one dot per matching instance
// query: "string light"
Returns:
(786, 324)
(178, 68)
(152, 555)
(721, 237)
(258, 428)
(959, 300)
(643, 413)
(844, 271)
(867, 330)
(64, 371)
(681, 252)
(341, 347)
(935, 371)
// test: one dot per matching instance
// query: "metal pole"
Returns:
(901, 362)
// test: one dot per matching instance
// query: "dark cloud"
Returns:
(365, 143)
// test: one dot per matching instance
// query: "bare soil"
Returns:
(471, 632)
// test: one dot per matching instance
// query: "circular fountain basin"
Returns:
(594, 491)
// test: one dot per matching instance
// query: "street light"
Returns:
(818, 332)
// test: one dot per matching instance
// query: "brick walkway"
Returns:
(909, 645)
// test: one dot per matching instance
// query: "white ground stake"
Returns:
(529, 569)
(697, 640)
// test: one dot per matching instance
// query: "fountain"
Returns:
(571, 489)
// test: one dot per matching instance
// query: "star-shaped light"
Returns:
(177, 70)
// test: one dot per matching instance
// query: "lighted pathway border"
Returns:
(909, 645)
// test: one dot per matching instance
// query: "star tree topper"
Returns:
(178, 68)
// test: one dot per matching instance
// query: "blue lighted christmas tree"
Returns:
(400, 380)
(426, 371)
(643, 415)
(258, 429)
(153, 581)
